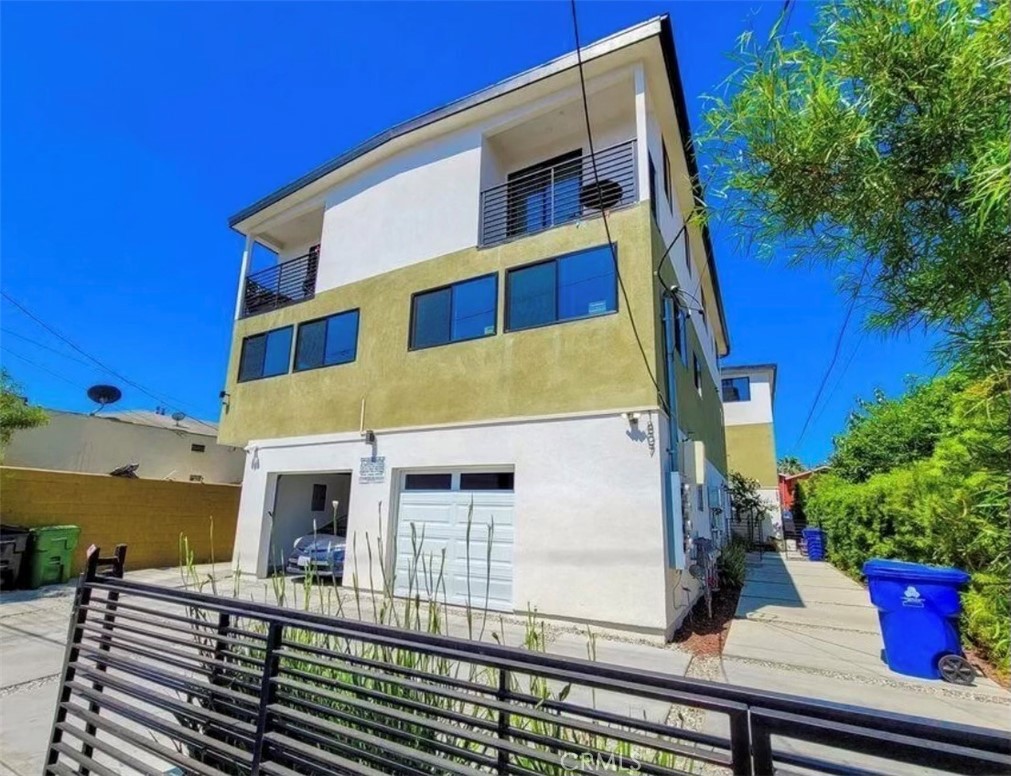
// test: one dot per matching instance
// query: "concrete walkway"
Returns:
(806, 628)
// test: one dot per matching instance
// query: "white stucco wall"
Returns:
(588, 510)
(75, 442)
(758, 409)
(416, 205)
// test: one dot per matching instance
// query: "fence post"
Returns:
(105, 645)
(82, 597)
(220, 650)
(761, 748)
(503, 718)
(271, 663)
(740, 743)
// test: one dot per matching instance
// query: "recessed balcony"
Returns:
(281, 285)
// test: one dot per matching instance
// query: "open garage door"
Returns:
(439, 506)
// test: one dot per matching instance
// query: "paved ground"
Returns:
(802, 628)
(805, 628)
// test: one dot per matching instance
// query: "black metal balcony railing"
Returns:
(283, 284)
(565, 192)
(157, 677)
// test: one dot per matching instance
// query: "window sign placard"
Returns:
(372, 470)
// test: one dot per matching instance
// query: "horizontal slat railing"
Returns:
(283, 284)
(572, 190)
(262, 689)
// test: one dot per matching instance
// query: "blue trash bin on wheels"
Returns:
(918, 608)
(814, 541)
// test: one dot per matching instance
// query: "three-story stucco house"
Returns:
(471, 319)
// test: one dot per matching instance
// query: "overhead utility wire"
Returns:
(603, 213)
(41, 367)
(105, 367)
(44, 346)
(835, 357)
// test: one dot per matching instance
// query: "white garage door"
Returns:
(439, 506)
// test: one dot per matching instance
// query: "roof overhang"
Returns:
(305, 191)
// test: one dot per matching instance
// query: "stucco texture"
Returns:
(147, 515)
(577, 366)
(751, 450)
(698, 414)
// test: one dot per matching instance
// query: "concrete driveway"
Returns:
(806, 628)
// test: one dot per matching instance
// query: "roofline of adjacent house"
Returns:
(805, 473)
(212, 431)
(656, 26)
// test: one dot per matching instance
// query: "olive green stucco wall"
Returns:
(584, 365)
(751, 451)
(700, 415)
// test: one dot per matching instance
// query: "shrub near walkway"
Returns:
(947, 508)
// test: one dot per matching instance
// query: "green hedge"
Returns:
(950, 509)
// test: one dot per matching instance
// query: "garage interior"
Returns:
(301, 499)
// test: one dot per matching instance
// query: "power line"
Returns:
(839, 379)
(44, 346)
(40, 367)
(603, 213)
(835, 357)
(160, 399)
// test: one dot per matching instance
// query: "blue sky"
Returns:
(131, 131)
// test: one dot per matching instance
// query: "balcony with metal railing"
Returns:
(572, 188)
(281, 285)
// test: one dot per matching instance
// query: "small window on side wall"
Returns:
(327, 341)
(735, 389)
(455, 313)
(195, 448)
(578, 285)
(697, 372)
(265, 355)
(666, 176)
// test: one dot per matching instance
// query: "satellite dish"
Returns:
(104, 394)
(177, 416)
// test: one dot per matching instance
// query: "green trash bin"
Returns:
(52, 554)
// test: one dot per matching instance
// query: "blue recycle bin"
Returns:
(918, 608)
(814, 540)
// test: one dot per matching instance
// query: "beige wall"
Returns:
(74, 442)
(577, 366)
(149, 516)
(751, 450)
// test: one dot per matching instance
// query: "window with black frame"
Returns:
(544, 194)
(577, 285)
(327, 341)
(454, 313)
(736, 389)
(265, 355)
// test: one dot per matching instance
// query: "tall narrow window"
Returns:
(578, 285)
(702, 304)
(652, 186)
(327, 341)
(697, 372)
(265, 355)
(462, 311)
(680, 333)
(688, 251)
(666, 176)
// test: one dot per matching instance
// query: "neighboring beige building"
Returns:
(162, 447)
(749, 393)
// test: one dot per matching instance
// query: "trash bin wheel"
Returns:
(956, 669)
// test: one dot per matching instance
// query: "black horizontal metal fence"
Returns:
(285, 283)
(573, 189)
(157, 678)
